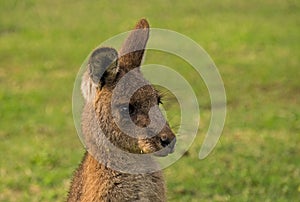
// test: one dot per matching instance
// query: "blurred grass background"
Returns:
(255, 45)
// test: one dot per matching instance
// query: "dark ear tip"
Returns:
(142, 24)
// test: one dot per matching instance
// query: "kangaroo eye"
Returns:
(126, 109)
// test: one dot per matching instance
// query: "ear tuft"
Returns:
(103, 65)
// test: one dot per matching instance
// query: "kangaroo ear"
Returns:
(103, 66)
(132, 51)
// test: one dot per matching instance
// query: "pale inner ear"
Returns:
(88, 87)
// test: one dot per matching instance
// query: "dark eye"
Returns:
(126, 109)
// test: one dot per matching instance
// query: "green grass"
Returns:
(255, 45)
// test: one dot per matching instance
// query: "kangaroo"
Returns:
(120, 112)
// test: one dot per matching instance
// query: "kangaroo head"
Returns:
(125, 105)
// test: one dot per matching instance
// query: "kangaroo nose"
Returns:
(164, 140)
(167, 141)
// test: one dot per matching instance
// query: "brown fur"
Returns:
(102, 117)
